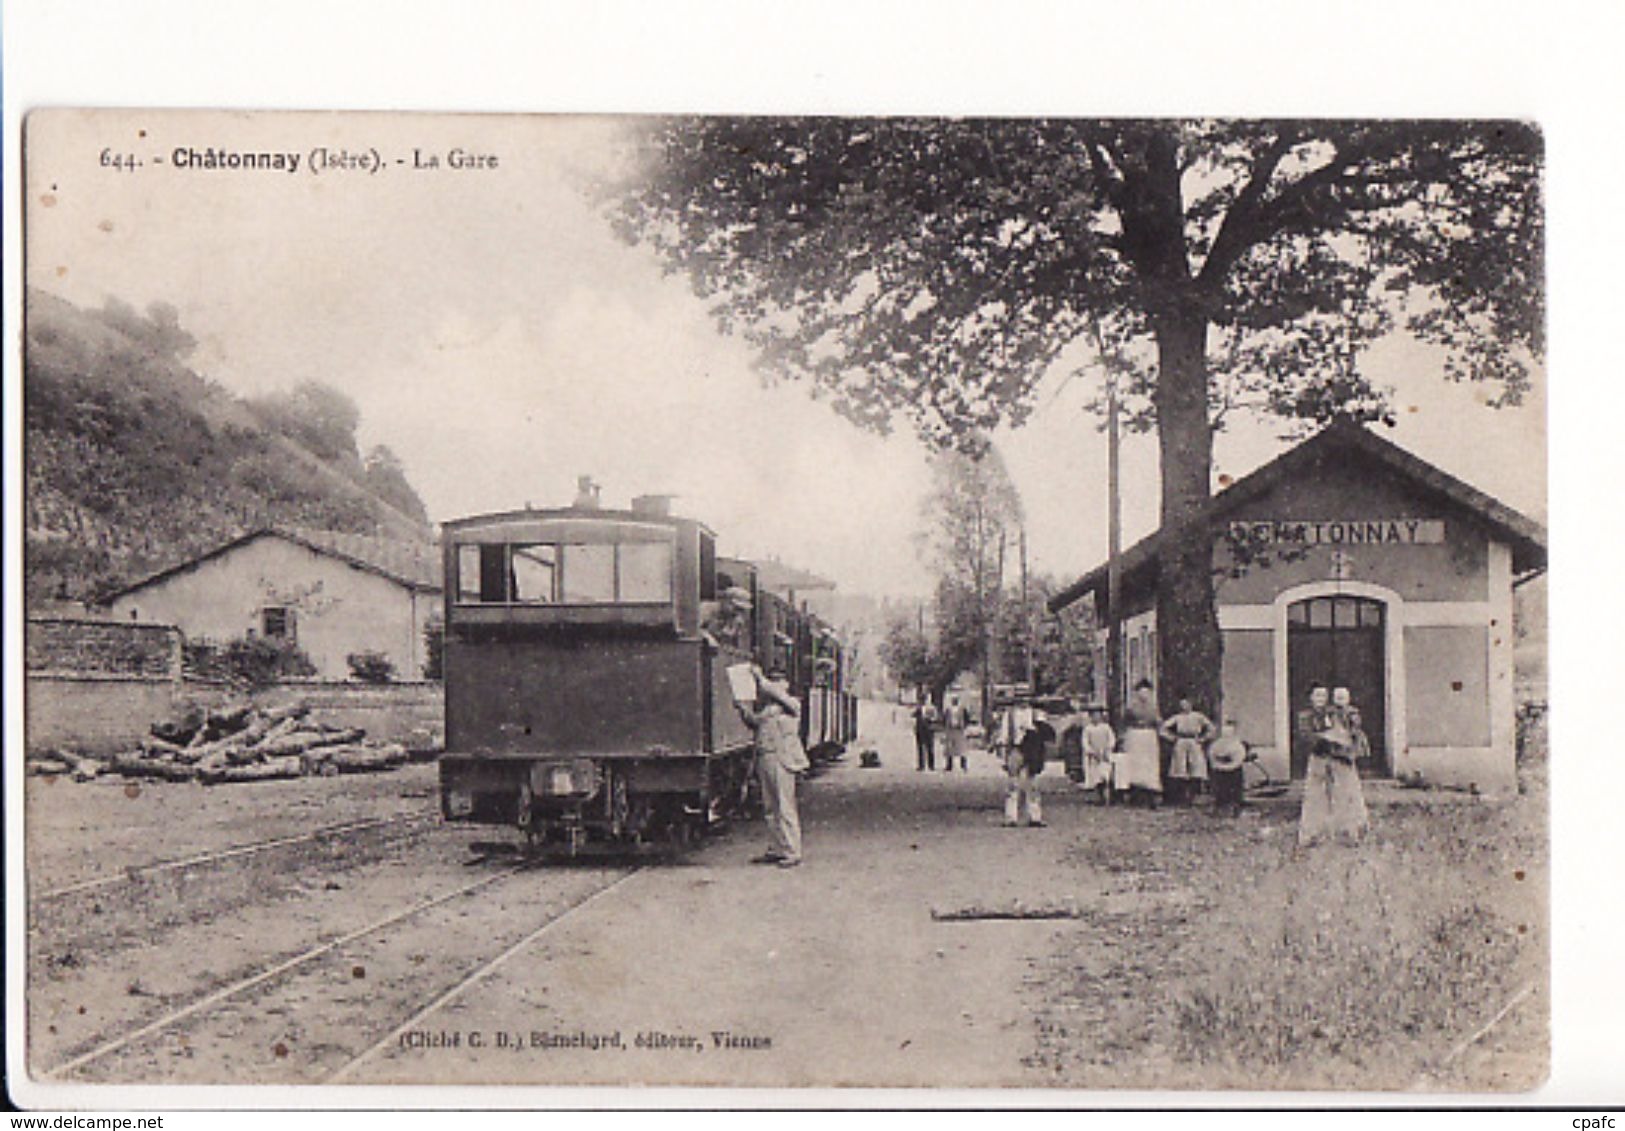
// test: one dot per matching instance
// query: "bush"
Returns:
(434, 645)
(248, 661)
(371, 667)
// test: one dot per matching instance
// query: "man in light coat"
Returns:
(775, 718)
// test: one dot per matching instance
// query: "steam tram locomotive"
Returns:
(586, 675)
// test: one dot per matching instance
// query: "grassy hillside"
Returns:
(134, 461)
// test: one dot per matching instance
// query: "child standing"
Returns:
(1187, 769)
(1226, 755)
(1099, 741)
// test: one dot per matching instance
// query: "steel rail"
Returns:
(473, 978)
(131, 874)
(275, 971)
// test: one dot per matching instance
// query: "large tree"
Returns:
(938, 268)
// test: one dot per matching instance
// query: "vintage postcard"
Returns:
(764, 602)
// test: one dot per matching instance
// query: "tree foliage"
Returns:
(970, 519)
(937, 269)
(1063, 644)
(318, 416)
(906, 652)
(385, 476)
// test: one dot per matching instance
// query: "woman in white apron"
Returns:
(1140, 767)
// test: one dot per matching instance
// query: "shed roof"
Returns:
(1342, 438)
(414, 565)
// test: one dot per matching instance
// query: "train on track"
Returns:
(587, 668)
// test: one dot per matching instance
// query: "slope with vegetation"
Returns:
(135, 461)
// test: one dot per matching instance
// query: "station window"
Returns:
(1335, 612)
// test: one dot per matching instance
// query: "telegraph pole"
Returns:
(1114, 552)
(1026, 611)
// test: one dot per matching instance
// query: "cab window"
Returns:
(576, 573)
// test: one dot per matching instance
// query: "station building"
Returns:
(1350, 562)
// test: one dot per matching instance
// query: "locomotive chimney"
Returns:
(653, 506)
(586, 493)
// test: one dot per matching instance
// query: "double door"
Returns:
(1341, 642)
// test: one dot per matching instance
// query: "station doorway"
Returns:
(1341, 642)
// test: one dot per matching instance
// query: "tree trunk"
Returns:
(1189, 647)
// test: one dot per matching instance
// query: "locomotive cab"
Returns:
(582, 695)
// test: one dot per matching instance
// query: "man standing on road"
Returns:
(779, 758)
(924, 740)
(1024, 755)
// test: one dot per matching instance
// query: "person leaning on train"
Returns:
(775, 719)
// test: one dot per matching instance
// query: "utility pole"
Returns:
(1026, 611)
(1114, 552)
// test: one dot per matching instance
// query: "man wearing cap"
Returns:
(779, 758)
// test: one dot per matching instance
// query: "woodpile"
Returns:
(51, 762)
(235, 744)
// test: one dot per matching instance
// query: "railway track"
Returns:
(236, 852)
(468, 982)
(313, 990)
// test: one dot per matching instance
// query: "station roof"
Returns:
(1340, 439)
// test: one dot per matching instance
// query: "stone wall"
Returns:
(101, 714)
(89, 647)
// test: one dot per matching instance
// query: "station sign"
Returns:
(1339, 532)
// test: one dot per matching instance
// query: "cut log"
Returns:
(47, 767)
(367, 759)
(289, 767)
(213, 764)
(236, 754)
(133, 765)
(286, 712)
(88, 769)
(156, 747)
(258, 727)
(303, 740)
(231, 719)
(180, 729)
(279, 729)
(78, 763)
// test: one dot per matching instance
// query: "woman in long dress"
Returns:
(1333, 803)
(1141, 771)
(954, 721)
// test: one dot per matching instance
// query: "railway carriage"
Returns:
(586, 674)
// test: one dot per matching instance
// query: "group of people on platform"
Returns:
(1328, 735)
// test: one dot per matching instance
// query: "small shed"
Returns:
(332, 593)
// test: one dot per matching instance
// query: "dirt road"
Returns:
(903, 952)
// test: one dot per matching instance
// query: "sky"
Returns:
(499, 338)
